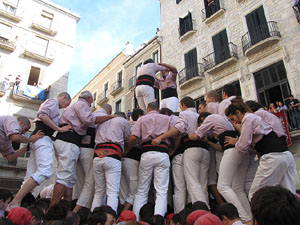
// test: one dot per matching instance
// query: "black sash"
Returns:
(230, 133)
(145, 80)
(39, 125)
(270, 143)
(186, 143)
(135, 154)
(88, 141)
(71, 137)
(162, 147)
(169, 92)
(108, 149)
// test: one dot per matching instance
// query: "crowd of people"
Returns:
(110, 169)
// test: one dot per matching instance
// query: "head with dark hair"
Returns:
(110, 213)
(37, 214)
(291, 97)
(227, 212)
(136, 113)
(28, 200)
(148, 61)
(146, 212)
(187, 102)
(56, 212)
(175, 219)
(43, 204)
(72, 218)
(237, 110)
(65, 203)
(157, 220)
(201, 118)
(5, 197)
(254, 106)
(98, 217)
(275, 205)
(83, 214)
(5, 221)
(121, 114)
(228, 91)
(202, 107)
(183, 214)
(152, 106)
(166, 111)
(199, 205)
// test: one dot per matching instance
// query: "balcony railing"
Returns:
(102, 97)
(7, 44)
(116, 87)
(30, 93)
(39, 52)
(296, 9)
(187, 74)
(11, 11)
(259, 34)
(216, 58)
(131, 82)
(38, 24)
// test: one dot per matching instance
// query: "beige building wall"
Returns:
(146, 51)
(232, 17)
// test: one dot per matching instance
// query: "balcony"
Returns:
(30, 94)
(38, 24)
(103, 97)
(260, 38)
(186, 30)
(11, 11)
(131, 82)
(188, 76)
(39, 52)
(212, 12)
(217, 61)
(116, 88)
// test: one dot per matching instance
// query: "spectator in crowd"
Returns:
(275, 205)
(5, 197)
(293, 105)
(273, 108)
(128, 114)
(228, 214)
(281, 107)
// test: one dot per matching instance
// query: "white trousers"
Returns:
(195, 167)
(179, 196)
(251, 171)
(231, 181)
(85, 186)
(129, 180)
(276, 168)
(67, 155)
(107, 174)
(171, 103)
(39, 165)
(144, 95)
(157, 164)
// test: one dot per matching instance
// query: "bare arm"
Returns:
(131, 142)
(21, 139)
(170, 67)
(215, 146)
(46, 120)
(16, 154)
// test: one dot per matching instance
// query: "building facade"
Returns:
(36, 49)
(251, 44)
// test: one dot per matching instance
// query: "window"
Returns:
(105, 90)
(198, 101)
(94, 99)
(155, 57)
(118, 105)
(237, 88)
(221, 49)
(34, 76)
(9, 8)
(272, 84)
(137, 67)
(191, 63)
(211, 7)
(119, 79)
(178, 1)
(257, 25)
(185, 24)
(46, 19)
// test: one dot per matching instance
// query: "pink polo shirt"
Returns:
(79, 115)
(214, 123)
(8, 125)
(49, 108)
(116, 130)
(212, 107)
(168, 82)
(187, 121)
(253, 128)
(224, 105)
(151, 126)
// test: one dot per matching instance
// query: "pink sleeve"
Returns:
(137, 129)
(181, 124)
(245, 139)
(206, 126)
(48, 108)
(85, 114)
(11, 127)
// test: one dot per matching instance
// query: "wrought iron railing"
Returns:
(215, 58)
(210, 9)
(188, 73)
(260, 33)
(131, 82)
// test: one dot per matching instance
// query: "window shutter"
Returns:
(221, 49)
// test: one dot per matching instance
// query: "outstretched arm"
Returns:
(170, 67)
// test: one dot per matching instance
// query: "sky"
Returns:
(103, 30)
